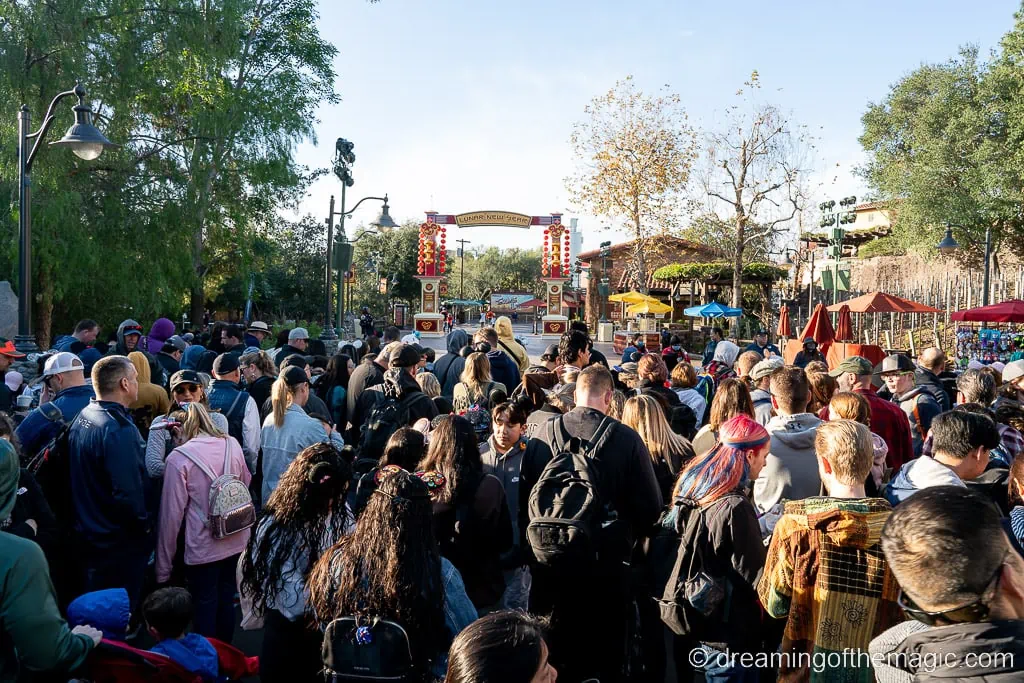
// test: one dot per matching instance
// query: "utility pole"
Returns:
(462, 275)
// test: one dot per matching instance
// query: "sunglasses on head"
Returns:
(182, 388)
(971, 613)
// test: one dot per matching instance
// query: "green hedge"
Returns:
(883, 246)
(712, 272)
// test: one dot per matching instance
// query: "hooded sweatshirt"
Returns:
(508, 344)
(791, 470)
(826, 575)
(401, 386)
(161, 331)
(921, 408)
(920, 473)
(190, 359)
(152, 400)
(449, 367)
(119, 348)
(108, 610)
(194, 653)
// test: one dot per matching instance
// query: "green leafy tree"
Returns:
(389, 256)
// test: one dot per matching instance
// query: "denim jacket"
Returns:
(281, 444)
(458, 611)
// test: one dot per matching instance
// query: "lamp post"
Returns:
(462, 267)
(343, 160)
(836, 220)
(949, 245)
(603, 288)
(87, 143)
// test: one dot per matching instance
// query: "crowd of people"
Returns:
(387, 513)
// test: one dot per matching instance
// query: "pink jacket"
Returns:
(187, 492)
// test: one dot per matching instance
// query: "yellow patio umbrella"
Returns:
(649, 307)
(632, 298)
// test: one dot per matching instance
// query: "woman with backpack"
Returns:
(476, 384)
(304, 517)
(472, 521)
(724, 552)
(669, 451)
(731, 399)
(165, 432)
(390, 568)
(206, 484)
(288, 429)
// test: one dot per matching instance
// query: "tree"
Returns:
(750, 183)
(633, 155)
(493, 269)
(945, 146)
(389, 256)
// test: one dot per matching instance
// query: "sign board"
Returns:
(506, 302)
(505, 218)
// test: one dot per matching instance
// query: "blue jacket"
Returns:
(107, 463)
(36, 431)
(108, 610)
(459, 611)
(752, 346)
(63, 343)
(193, 652)
(504, 370)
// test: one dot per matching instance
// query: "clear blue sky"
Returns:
(459, 105)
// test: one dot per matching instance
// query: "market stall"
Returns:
(1001, 339)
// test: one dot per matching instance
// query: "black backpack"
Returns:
(357, 649)
(695, 589)
(51, 466)
(385, 417)
(565, 506)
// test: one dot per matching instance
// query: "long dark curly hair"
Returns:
(455, 453)
(305, 514)
(389, 567)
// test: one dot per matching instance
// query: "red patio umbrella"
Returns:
(784, 330)
(880, 302)
(819, 328)
(844, 326)
(1011, 311)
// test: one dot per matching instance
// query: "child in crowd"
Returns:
(168, 614)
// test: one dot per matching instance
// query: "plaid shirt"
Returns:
(827, 576)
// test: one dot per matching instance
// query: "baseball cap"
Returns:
(14, 379)
(7, 349)
(855, 364)
(225, 363)
(895, 363)
(294, 376)
(809, 340)
(185, 377)
(550, 353)
(403, 356)
(1012, 371)
(177, 342)
(766, 367)
(298, 333)
(259, 326)
(760, 332)
(62, 362)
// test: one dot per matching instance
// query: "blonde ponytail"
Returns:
(281, 396)
(197, 421)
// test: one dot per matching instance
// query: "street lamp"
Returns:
(603, 288)
(949, 245)
(87, 143)
(343, 159)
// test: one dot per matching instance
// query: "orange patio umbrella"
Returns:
(880, 302)
(844, 326)
(819, 328)
(784, 330)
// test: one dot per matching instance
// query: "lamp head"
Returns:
(84, 139)
(948, 245)
(384, 220)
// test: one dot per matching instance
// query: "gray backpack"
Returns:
(231, 509)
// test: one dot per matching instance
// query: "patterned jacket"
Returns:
(827, 576)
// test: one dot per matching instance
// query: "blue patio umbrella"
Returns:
(713, 310)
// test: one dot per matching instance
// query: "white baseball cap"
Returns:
(1013, 371)
(62, 362)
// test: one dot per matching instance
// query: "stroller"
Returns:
(116, 662)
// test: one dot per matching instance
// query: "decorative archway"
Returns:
(431, 263)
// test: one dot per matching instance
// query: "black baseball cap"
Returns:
(294, 376)
(225, 364)
(403, 356)
(550, 353)
(186, 377)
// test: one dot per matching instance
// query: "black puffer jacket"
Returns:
(680, 416)
(449, 366)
